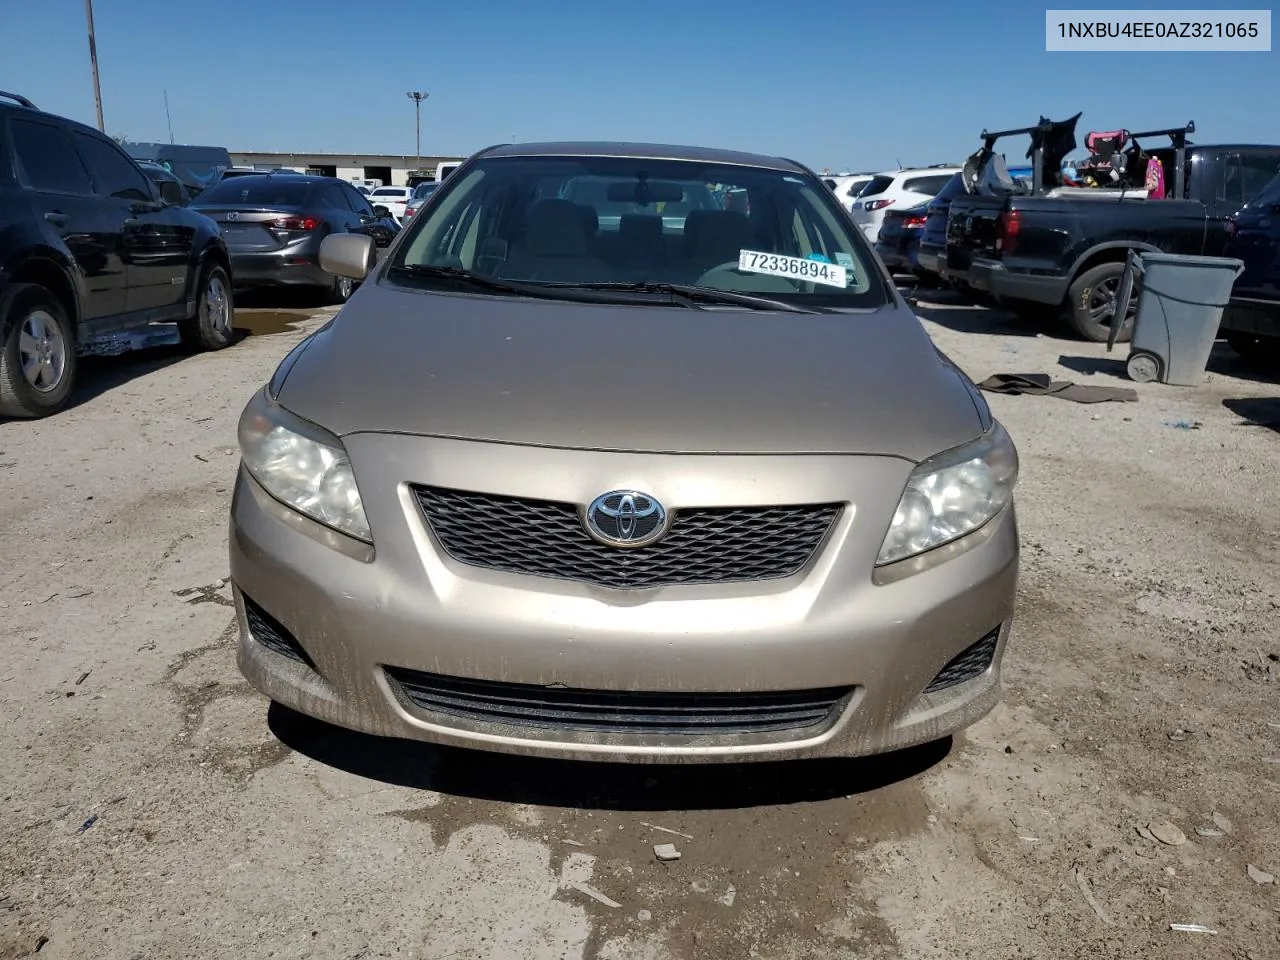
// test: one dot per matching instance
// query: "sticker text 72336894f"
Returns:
(794, 268)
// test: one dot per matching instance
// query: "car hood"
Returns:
(634, 378)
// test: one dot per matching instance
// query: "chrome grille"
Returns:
(546, 538)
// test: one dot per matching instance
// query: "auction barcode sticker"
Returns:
(1155, 31)
(793, 268)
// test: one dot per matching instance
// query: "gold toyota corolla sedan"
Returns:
(625, 452)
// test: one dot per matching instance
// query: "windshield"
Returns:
(424, 189)
(583, 221)
(1270, 194)
(876, 185)
(257, 191)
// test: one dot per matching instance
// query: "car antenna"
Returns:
(899, 162)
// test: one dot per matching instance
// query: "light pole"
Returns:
(417, 96)
(93, 60)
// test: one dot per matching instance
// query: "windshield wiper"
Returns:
(465, 276)
(692, 294)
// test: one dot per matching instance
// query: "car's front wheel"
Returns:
(37, 353)
(209, 328)
(341, 290)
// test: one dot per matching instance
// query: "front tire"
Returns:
(1092, 299)
(209, 328)
(37, 354)
(341, 290)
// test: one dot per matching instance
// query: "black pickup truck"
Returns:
(1251, 322)
(1053, 250)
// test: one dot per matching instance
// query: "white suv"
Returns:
(897, 188)
(847, 186)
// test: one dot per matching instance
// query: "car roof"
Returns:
(17, 106)
(643, 151)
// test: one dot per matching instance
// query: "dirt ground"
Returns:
(153, 807)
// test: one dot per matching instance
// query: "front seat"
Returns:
(555, 246)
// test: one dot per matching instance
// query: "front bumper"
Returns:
(361, 614)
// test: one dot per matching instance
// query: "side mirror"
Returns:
(171, 192)
(381, 211)
(348, 255)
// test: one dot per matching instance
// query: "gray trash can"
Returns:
(1180, 305)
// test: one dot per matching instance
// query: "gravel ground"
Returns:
(152, 806)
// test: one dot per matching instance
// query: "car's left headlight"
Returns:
(952, 494)
(303, 466)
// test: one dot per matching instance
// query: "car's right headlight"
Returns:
(303, 466)
(952, 494)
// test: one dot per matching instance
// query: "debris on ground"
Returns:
(1177, 736)
(654, 826)
(728, 896)
(644, 916)
(1042, 385)
(575, 843)
(1221, 822)
(1144, 833)
(88, 823)
(1184, 424)
(1083, 883)
(1212, 833)
(594, 894)
(1167, 833)
(1259, 876)
(1191, 928)
(666, 851)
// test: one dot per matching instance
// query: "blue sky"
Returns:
(844, 85)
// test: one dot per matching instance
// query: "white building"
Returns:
(392, 170)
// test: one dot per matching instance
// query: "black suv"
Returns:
(90, 248)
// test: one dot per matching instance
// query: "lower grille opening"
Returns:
(271, 634)
(619, 711)
(971, 662)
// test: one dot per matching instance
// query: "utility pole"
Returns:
(93, 59)
(417, 96)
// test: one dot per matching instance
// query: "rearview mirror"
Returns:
(171, 192)
(645, 191)
(348, 255)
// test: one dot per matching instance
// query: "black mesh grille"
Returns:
(269, 632)
(618, 712)
(546, 538)
(972, 662)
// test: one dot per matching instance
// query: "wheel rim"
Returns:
(1102, 302)
(42, 351)
(215, 308)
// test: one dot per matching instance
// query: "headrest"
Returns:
(558, 228)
